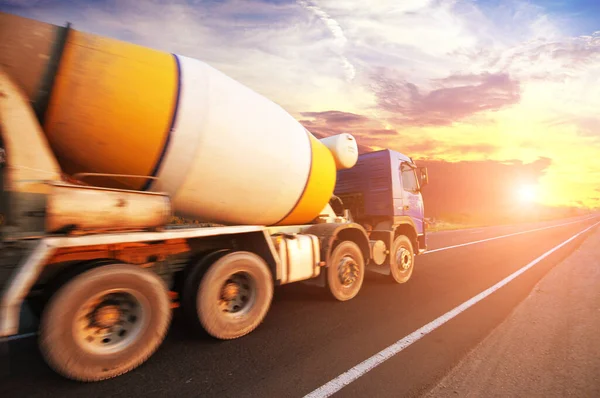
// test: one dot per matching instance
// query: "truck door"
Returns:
(412, 199)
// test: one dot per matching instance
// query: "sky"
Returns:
(513, 82)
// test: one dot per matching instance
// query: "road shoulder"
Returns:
(549, 346)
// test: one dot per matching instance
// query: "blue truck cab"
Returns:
(382, 192)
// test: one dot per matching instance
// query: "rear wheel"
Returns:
(232, 296)
(403, 259)
(346, 271)
(190, 289)
(104, 322)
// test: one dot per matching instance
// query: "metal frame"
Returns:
(29, 270)
(18, 287)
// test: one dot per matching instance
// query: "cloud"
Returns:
(22, 3)
(336, 122)
(438, 147)
(587, 126)
(332, 24)
(336, 117)
(457, 97)
(369, 132)
(559, 60)
(337, 32)
(453, 80)
(383, 133)
(272, 47)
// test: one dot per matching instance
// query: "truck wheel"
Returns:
(104, 322)
(189, 295)
(403, 254)
(233, 296)
(346, 271)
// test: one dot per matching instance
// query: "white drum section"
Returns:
(234, 156)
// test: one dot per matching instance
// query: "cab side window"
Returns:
(409, 179)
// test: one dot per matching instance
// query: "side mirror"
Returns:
(424, 177)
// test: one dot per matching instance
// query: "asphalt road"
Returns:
(307, 340)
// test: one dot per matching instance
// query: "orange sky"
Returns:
(452, 80)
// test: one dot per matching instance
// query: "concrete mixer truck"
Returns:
(105, 141)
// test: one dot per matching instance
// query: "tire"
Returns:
(246, 280)
(403, 259)
(189, 295)
(77, 352)
(346, 258)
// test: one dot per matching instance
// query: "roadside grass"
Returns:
(459, 221)
(449, 226)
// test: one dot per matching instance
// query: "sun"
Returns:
(527, 193)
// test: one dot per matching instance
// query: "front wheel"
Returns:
(403, 259)
(104, 322)
(346, 271)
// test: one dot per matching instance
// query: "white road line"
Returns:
(503, 236)
(359, 370)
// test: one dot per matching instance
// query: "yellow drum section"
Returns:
(112, 107)
(320, 186)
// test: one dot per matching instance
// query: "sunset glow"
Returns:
(461, 81)
(527, 193)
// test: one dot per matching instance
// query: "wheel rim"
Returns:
(111, 321)
(403, 259)
(348, 271)
(237, 294)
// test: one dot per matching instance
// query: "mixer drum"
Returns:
(223, 152)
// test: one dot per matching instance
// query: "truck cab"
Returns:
(383, 193)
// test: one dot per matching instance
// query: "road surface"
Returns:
(548, 346)
(309, 344)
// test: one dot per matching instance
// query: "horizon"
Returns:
(460, 82)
